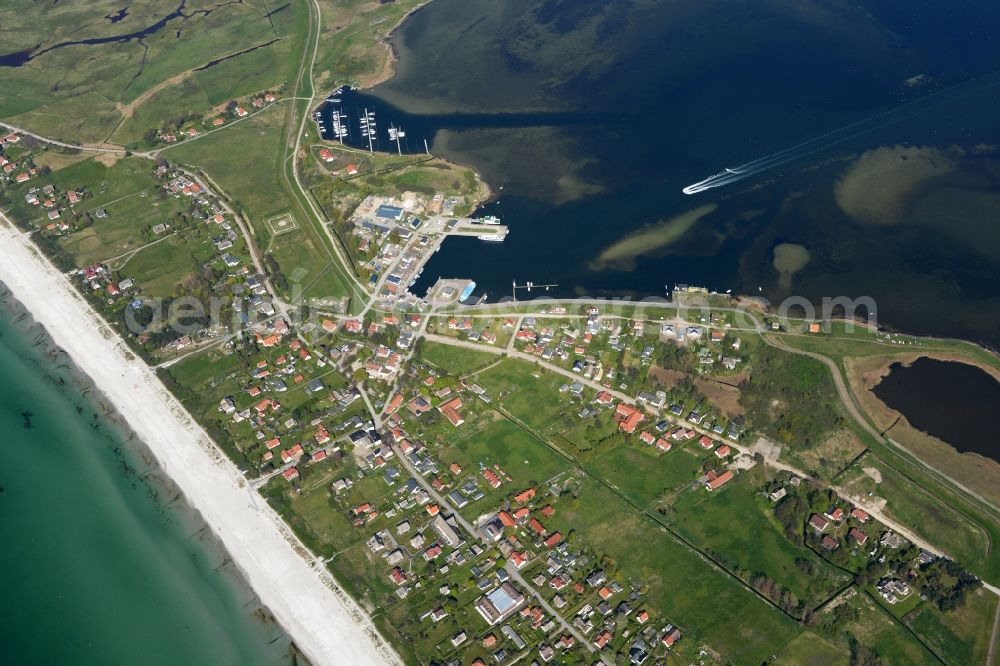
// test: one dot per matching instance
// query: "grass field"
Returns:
(925, 514)
(198, 369)
(302, 262)
(58, 158)
(126, 177)
(160, 268)
(840, 343)
(808, 649)
(455, 360)
(961, 636)
(529, 393)
(126, 228)
(349, 50)
(790, 398)
(178, 100)
(737, 527)
(874, 628)
(243, 159)
(682, 587)
(248, 69)
(644, 475)
(208, 376)
(56, 97)
(134, 204)
(528, 461)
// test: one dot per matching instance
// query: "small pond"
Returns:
(956, 402)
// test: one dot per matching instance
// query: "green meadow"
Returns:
(683, 588)
(736, 526)
(455, 360)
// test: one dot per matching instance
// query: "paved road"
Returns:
(516, 575)
(471, 530)
(514, 353)
(304, 81)
(769, 460)
(89, 148)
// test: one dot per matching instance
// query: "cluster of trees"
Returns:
(791, 512)
(278, 278)
(862, 655)
(602, 445)
(152, 134)
(673, 357)
(946, 583)
(790, 398)
(779, 595)
(898, 561)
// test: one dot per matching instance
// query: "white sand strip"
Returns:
(325, 623)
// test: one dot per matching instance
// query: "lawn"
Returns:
(528, 461)
(244, 159)
(530, 393)
(874, 628)
(736, 526)
(684, 589)
(925, 514)
(455, 360)
(809, 649)
(643, 474)
(961, 636)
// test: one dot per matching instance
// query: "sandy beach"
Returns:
(325, 623)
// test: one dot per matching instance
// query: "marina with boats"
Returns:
(357, 128)
(404, 231)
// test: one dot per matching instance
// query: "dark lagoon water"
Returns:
(101, 562)
(955, 402)
(594, 115)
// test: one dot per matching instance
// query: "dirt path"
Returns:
(127, 110)
(993, 640)
(847, 398)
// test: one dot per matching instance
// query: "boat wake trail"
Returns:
(830, 139)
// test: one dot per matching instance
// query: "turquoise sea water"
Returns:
(101, 562)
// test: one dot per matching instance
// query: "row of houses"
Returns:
(237, 111)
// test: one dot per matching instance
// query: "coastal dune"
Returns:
(324, 622)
